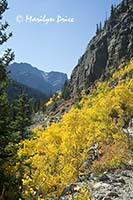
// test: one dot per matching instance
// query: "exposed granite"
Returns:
(112, 45)
(117, 185)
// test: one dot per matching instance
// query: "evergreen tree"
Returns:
(21, 114)
(100, 26)
(112, 11)
(106, 20)
(5, 136)
(66, 91)
(97, 29)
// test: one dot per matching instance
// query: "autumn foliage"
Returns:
(54, 157)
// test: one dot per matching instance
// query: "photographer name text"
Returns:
(44, 19)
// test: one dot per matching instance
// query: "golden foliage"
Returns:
(54, 157)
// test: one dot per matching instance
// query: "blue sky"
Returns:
(54, 46)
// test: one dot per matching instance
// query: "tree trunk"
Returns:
(2, 196)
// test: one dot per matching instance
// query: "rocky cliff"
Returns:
(112, 45)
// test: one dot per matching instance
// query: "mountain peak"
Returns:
(46, 82)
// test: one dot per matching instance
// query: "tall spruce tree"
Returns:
(97, 29)
(6, 58)
(112, 11)
(100, 26)
(5, 135)
(21, 115)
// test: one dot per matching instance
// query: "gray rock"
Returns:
(69, 189)
(118, 187)
(107, 50)
(112, 194)
(104, 178)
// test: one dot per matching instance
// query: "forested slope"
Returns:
(56, 156)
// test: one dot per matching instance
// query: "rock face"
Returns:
(112, 45)
(45, 82)
(117, 185)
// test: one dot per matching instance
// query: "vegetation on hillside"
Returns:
(56, 156)
(37, 98)
(93, 136)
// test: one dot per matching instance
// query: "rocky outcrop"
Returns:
(53, 113)
(109, 48)
(108, 186)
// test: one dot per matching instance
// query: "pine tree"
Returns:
(100, 26)
(21, 114)
(112, 11)
(97, 29)
(5, 136)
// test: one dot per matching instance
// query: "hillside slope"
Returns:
(15, 89)
(111, 45)
(87, 152)
(92, 137)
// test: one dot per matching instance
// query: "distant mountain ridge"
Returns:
(46, 82)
